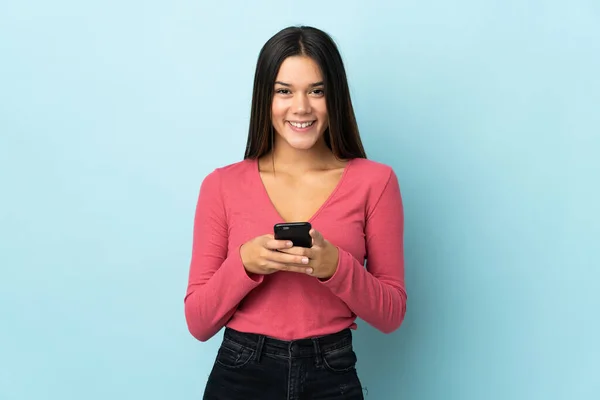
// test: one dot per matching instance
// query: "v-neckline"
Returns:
(267, 198)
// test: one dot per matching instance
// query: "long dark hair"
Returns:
(342, 135)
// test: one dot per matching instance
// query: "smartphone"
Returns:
(296, 232)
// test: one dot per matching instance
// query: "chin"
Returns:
(301, 141)
(301, 144)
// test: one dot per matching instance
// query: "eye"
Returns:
(318, 92)
(282, 91)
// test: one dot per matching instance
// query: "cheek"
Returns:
(277, 108)
(320, 108)
(324, 118)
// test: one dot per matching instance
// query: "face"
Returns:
(299, 112)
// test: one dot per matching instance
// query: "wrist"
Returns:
(244, 256)
(332, 262)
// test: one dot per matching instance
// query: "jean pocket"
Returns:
(233, 355)
(340, 360)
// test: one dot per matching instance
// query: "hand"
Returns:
(261, 256)
(323, 256)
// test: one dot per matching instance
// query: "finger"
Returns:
(273, 244)
(280, 257)
(317, 237)
(298, 251)
(283, 258)
(291, 268)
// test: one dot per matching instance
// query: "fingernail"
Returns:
(305, 260)
(309, 270)
(289, 244)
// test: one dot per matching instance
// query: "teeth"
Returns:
(301, 125)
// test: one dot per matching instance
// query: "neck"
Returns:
(287, 159)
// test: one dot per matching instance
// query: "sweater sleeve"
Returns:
(217, 278)
(377, 294)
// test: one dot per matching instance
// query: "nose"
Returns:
(301, 104)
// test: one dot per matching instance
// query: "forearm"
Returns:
(210, 304)
(379, 301)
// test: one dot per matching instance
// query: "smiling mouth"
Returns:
(301, 125)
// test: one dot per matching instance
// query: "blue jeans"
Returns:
(255, 367)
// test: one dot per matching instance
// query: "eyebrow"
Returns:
(288, 85)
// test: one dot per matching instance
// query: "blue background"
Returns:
(112, 112)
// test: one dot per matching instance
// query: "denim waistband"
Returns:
(295, 348)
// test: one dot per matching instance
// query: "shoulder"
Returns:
(227, 179)
(372, 180)
(229, 173)
(371, 172)
(234, 170)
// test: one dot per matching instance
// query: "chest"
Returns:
(300, 198)
(334, 204)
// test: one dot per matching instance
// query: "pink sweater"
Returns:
(363, 217)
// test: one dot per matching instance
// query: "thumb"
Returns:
(317, 237)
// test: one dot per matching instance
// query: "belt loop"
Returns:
(318, 354)
(259, 347)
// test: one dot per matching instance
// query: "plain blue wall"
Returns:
(112, 112)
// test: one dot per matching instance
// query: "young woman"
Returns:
(289, 311)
